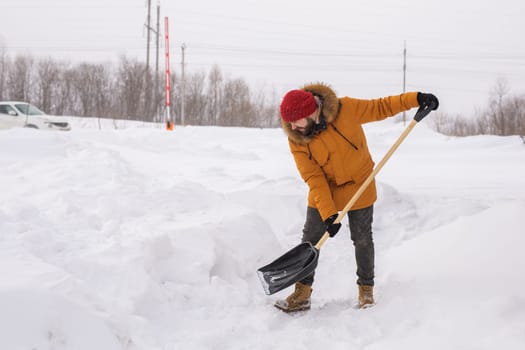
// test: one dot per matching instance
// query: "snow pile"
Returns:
(138, 238)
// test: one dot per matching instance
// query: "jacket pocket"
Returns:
(322, 157)
(364, 171)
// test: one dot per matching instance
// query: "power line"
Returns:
(237, 50)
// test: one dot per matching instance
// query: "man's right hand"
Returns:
(330, 226)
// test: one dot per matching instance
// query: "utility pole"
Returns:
(183, 86)
(404, 75)
(147, 95)
(157, 62)
(148, 27)
(147, 105)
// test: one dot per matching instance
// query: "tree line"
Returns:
(503, 115)
(127, 90)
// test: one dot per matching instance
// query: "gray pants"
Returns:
(361, 234)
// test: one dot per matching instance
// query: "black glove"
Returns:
(427, 100)
(330, 226)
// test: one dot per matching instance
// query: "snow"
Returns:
(133, 237)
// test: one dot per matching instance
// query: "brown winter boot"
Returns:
(366, 296)
(299, 300)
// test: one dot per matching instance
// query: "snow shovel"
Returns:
(302, 260)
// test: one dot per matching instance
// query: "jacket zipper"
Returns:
(344, 137)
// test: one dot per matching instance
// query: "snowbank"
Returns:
(139, 238)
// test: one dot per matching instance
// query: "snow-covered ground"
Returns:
(139, 238)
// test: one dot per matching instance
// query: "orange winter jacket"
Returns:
(336, 161)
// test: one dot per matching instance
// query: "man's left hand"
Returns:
(427, 100)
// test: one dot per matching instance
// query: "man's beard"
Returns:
(308, 129)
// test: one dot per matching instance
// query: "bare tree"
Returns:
(237, 104)
(4, 62)
(265, 111)
(130, 87)
(514, 108)
(19, 78)
(439, 122)
(195, 98)
(102, 82)
(271, 111)
(215, 80)
(66, 99)
(47, 81)
(495, 111)
(84, 88)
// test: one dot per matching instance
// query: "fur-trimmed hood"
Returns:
(330, 110)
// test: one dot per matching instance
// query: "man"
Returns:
(331, 153)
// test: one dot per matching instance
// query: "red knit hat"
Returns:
(297, 104)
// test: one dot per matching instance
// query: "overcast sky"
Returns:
(455, 49)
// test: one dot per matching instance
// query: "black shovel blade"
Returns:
(290, 268)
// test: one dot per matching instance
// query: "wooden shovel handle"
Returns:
(421, 113)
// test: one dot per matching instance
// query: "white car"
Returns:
(23, 114)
